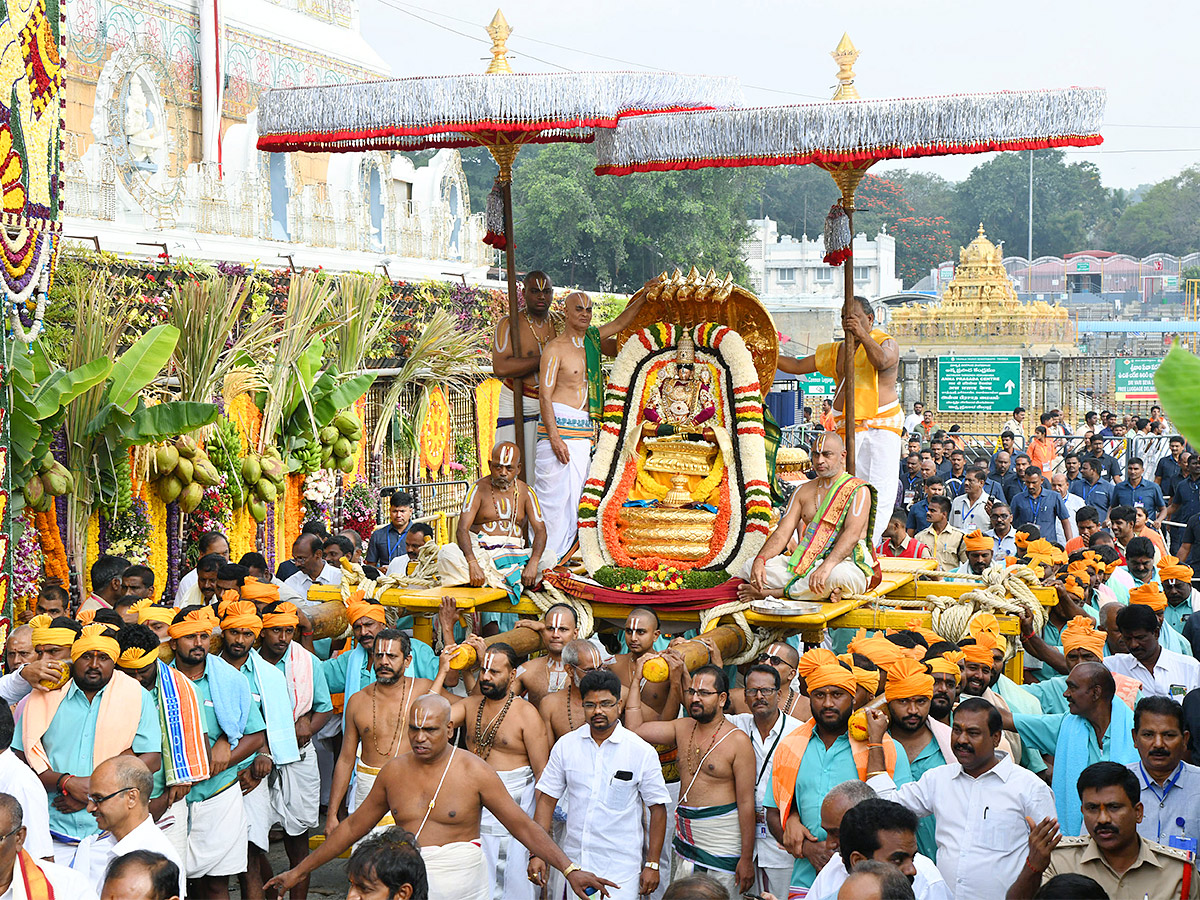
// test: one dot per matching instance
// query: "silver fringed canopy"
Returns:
(444, 111)
(851, 131)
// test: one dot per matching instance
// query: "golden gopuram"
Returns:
(980, 306)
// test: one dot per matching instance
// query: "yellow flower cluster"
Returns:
(156, 511)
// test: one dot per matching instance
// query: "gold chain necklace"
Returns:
(486, 736)
(537, 337)
(399, 719)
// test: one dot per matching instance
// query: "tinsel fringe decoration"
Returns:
(852, 131)
(444, 111)
(495, 236)
(838, 238)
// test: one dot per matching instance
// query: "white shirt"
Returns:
(770, 854)
(13, 687)
(982, 836)
(1018, 431)
(96, 851)
(967, 515)
(65, 882)
(928, 885)
(603, 831)
(1074, 504)
(398, 565)
(912, 422)
(299, 582)
(18, 779)
(1173, 676)
(186, 583)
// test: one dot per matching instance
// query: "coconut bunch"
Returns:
(52, 480)
(263, 477)
(338, 440)
(180, 471)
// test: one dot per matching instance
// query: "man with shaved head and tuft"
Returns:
(438, 793)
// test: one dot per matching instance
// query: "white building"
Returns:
(160, 132)
(804, 294)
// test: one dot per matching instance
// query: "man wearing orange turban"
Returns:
(1182, 598)
(944, 667)
(258, 593)
(1081, 642)
(980, 549)
(980, 671)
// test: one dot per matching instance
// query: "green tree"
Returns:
(613, 234)
(1167, 220)
(930, 196)
(797, 197)
(1070, 205)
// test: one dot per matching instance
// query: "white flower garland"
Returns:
(42, 284)
(750, 447)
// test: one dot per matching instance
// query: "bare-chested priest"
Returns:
(374, 726)
(439, 793)
(879, 420)
(641, 631)
(489, 543)
(546, 674)
(831, 516)
(537, 328)
(714, 821)
(508, 734)
(572, 400)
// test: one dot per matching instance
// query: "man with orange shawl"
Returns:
(814, 758)
(879, 420)
(64, 734)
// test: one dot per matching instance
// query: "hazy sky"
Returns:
(1142, 53)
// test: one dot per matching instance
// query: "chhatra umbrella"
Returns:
(497, 110)
(845, 137)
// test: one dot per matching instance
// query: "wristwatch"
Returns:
(650, 865)
(573, 867)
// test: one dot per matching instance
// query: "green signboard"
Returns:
(817, 386)
(1133, 379)
(979, 384)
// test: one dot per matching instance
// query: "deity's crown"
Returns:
(685, 350)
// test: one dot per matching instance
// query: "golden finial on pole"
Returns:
(498, 30)
(845, 56)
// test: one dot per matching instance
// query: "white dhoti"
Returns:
(216, 842)
(708, 841)
(457, 871)
(257, 805)
(364, 780)
(502, 560)
(507, 858)
(295, 793)
(174, 825)
(780, 581)
(876, 454)
(507, 431)
(559, 486)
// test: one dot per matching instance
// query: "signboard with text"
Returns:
(1133, 379)
(817, 386)
(979, 384)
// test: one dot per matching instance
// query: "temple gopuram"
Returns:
(980, 305)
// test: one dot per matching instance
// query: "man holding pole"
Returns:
(537, 329)
(878, 418)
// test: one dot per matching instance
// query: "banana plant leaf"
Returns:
(1176, 381)
(343, 395)
(166, 420)
(140, 364)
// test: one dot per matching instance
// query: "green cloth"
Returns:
(209, 788)
(595, 373)
(929, 758)
(820, 770)
(69, 744)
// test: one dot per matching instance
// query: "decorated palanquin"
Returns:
(679, 475)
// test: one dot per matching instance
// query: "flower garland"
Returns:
(156, 514)
(293, 515)
(212, 514)
(171, 582)
(242, 533)
(26, 567)
(28, 261)
(128, 533)
(54, 554)
(744, 504)
(487, 410)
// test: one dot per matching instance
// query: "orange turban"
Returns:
(136, 658)
(230, 596)
(357, 608)
(1149, 594)
(908, 678)
(253, 589)
(148, 612)
(818, 656)
(96, 637)
(241, 614)
(946, 664)
(1112, 566)
(198, 621)
(1171, 569)
(85, 616)
(977, 540)
(1042, 551)
(877, 648)
(46, 636)
(1021, 539)
(1075, 587)
(831, 675)
(867, 679)
(284, 615)
(987, 622)
(1080, 633)
(980, 652)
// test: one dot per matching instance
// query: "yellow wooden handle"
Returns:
(656, 670)
(463, 658)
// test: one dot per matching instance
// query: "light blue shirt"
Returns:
(1172, 810)
(209, 788)
(820, 770)
(424, 664)
(70, 743)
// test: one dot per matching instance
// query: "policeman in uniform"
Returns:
(1113, 854)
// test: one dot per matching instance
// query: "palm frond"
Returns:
(363, 318)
